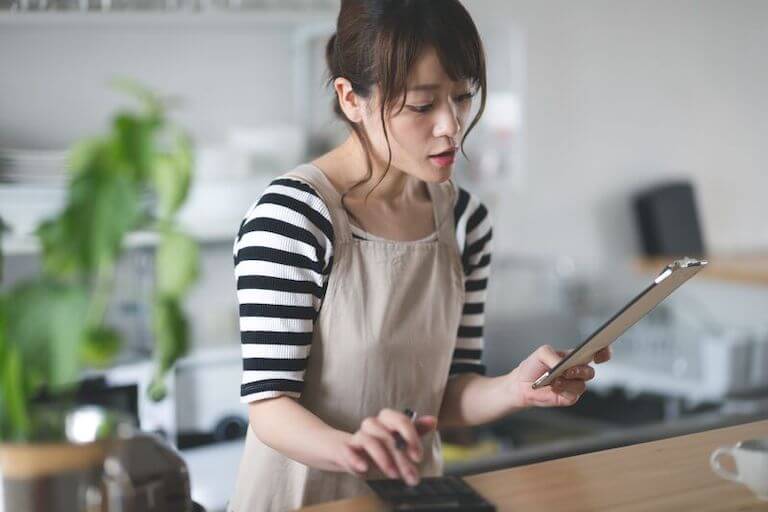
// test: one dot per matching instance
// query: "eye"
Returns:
(465, 97)
(420, 108)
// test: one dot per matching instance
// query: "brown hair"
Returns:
(377, 43)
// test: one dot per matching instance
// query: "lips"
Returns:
(449, 152)
(444, 159)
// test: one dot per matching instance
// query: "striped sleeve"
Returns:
(473, 234)
(283, 255)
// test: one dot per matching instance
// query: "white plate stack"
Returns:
(33, 166)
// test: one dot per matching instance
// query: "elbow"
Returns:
(264, 415)
(256, 418)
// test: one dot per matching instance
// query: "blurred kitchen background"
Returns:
(590, 104)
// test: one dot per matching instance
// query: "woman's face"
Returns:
(432, 122)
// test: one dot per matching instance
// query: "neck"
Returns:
(395, 186)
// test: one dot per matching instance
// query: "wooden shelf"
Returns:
(747, 268)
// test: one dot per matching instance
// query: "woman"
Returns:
(361, 276)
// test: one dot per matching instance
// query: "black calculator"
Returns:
(432, 493)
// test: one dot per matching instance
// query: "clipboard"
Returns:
(670, 279)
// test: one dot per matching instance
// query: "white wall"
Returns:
(53, 84)
(623, 93)
(619, 94)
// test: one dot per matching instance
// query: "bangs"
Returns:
(418, 25)
(461, 56)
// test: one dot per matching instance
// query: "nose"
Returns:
(448, 123)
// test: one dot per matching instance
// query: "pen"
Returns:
(399, 441)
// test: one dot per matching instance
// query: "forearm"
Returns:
(472, 399)
(286, 426)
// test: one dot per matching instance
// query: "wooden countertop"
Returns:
(751, 268)
(668, 475)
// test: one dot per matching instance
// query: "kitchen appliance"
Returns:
(144, 474)
(668, 220)
(103, 465)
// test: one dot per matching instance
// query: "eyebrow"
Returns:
(424, 87)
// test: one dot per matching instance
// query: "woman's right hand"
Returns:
(374, 443)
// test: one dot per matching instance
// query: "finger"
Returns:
(400, 423)
(603, 355)
(353, 462)
(377, 429)
(425, 424)
(407, 469)
(548, 355)
(377, 452)
(581, 372)
(568, 391)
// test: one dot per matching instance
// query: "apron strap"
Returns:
(313, 176)
(443, 198)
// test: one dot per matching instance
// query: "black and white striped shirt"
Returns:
(283, 256)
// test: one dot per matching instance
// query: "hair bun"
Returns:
(379, 8)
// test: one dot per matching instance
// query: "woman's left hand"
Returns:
(565, 390)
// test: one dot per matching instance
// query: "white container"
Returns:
(760, 360)
(208, 392)
(727, 361)
(220, 162)
(271, 149)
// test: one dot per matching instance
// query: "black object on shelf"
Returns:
(431, 493)
(668, 220)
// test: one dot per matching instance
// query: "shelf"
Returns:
(166, 18)
(211, 214)
(629, 377)
(27, 245)
(747, 268)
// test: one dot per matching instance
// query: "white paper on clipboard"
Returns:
(669, 280)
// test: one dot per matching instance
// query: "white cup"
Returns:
(751, 458)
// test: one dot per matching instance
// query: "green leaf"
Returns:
(171, 332)
(157, 390)
(176, 264)
(101, 209)
(172, 174)
(152, 103)
(14, 416)
(134, 140)
(28, 326)
(83, 154)
(46, 323)
(107, 209)
(14, 412)
(67, 330)
(171, 339)
(61, 252)
(101, 345)
(3, 229)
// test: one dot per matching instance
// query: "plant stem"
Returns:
(102, 289)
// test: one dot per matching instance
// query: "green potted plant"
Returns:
(53, 326)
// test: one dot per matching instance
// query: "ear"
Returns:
(351, 104)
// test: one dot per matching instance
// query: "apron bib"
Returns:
(384, 338)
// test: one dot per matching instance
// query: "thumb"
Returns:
(425, 424)
(541, 361)
(549, 356)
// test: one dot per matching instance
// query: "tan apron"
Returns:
(384, 338)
